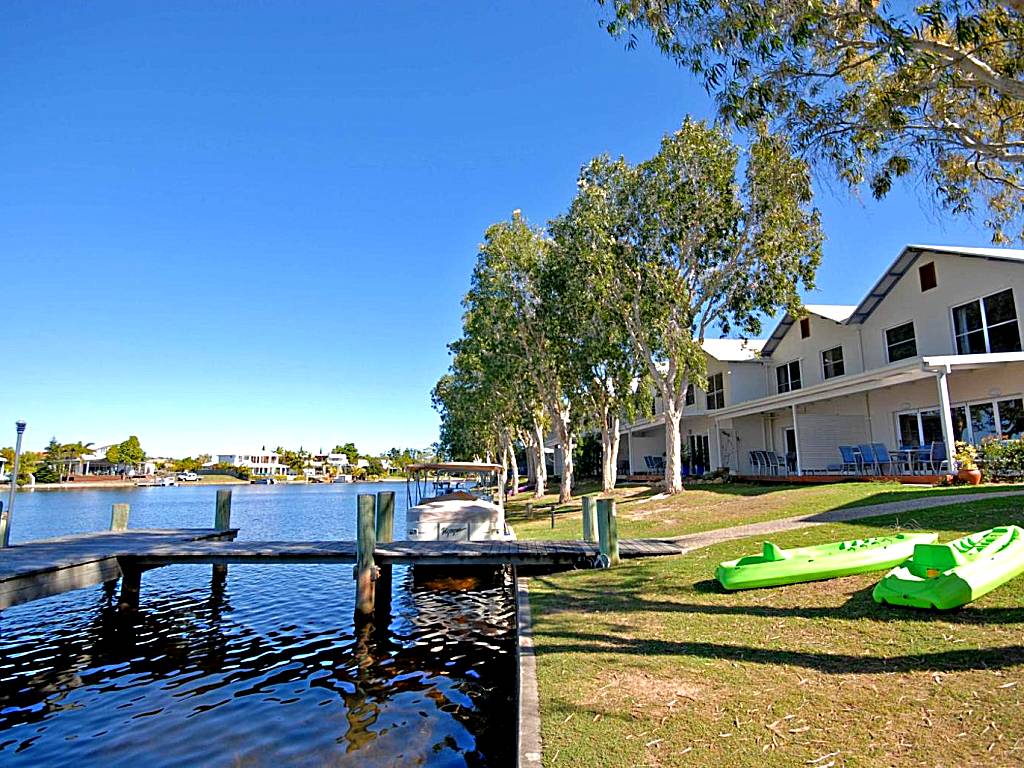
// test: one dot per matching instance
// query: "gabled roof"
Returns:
(850, 315)
(733, 350)
(837, 313)
(906, 260)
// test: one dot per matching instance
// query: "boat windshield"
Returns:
(439, 481)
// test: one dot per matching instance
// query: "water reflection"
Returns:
(262, 667)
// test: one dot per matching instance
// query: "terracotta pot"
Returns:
(972, 476)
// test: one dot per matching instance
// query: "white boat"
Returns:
(456, 501)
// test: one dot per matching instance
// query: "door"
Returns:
(789, 437)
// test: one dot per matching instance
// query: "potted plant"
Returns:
(966, 457)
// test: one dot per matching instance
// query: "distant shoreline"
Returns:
(120, 484)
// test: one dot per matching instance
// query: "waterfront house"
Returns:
(930, 356)
(262, 463)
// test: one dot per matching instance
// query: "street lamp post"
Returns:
(5, 517)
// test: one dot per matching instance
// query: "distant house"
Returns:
(259, 463)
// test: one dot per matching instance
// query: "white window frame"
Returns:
(984, 318)
(965, 404)
(709, 391)
(789, 378)
(885, 341)
(821, 358)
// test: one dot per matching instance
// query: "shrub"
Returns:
(1002, 458)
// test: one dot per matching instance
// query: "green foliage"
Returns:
(350, 450)
(873, 92)
(587, 458)
(189, 464)
(47, 473)
(1002, 459)
(966, 455)
(129, 453)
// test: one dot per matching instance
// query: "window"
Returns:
(788, 376)
(987, 325)
(716, 392)
(1001, 419)
(926, 273)
(805, 327)
(691, 396)
(900, 342)
(832, 363)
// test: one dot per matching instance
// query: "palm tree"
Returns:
(70, 452)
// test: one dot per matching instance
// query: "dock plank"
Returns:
(43, 568)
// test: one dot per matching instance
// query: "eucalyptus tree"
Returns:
(871, 90)
(608, 375)
(506, 301)
(693, 246)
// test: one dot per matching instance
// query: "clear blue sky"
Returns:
(226, 225)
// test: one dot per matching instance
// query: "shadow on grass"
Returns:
(860, 606)
(830, 663)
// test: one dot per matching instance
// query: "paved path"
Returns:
(692, 541)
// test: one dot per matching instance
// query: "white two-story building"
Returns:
(930, 356)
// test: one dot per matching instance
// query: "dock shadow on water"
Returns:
(264, 668)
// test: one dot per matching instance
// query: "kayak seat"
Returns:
(937, 557)
(773, 552)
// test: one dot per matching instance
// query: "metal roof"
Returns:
(837, 313)
(733, 350)
(848, 315)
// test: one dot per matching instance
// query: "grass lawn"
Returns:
(652, 664)
(642, 513)
(219, 480)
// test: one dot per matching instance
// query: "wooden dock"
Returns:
(43, 568)
(49, 567)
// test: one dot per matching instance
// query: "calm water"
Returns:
(262, 669)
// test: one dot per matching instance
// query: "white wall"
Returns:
(825, 334)
(960, 280)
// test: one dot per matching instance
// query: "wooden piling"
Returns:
(131, 585)
(589, 517)
(366, 542)
(608, 530)
(553, 516)
(385, 531)
(222, 515)
(529, 510)
(119, 517)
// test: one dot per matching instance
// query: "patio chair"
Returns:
(776, 463)
(868, 459)
(883, 457)
(649, 461)
(850, 462)
(755, 462)
(659, 463)
(938, 460)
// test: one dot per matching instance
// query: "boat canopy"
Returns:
(454, 466)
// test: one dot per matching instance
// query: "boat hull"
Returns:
(777, 567)
(946, 576)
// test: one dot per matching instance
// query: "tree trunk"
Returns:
(565, 488)
(609, 451)
(531, 462)
(503, 450)
(515, 468)
(673, 448)
(541, 465)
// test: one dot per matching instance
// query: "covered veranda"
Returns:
(907, 417)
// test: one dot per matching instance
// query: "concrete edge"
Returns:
(528, 700)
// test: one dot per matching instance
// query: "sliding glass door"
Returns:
(972, 423)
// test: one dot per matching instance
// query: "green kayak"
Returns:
(776, 566)
(949, 575)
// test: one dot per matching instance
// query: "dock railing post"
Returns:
(119, 517)
(385, 535)
(366, 542)
(608, 530)
(553, 516)
(222, 515)
(221, 522)
(589, 517)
